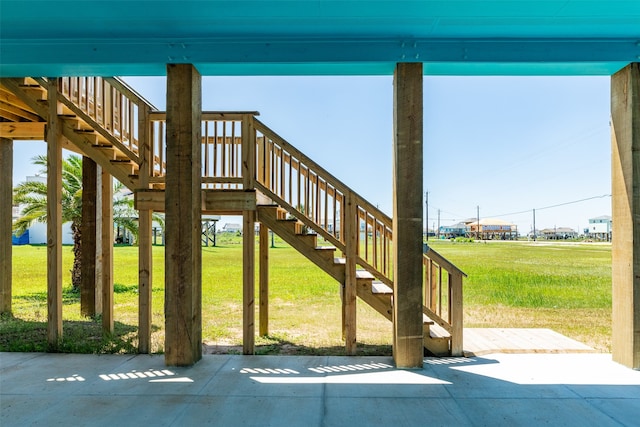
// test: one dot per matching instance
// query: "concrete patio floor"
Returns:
(231, 390)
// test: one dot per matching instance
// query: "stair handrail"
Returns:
(110, 107)
(443, 296)
(284, 159)
(130, 92)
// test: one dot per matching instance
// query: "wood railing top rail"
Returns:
(319, 170)
(442, 261)
(210, 115)
(128, 91)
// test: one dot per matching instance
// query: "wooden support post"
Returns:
(107, 252)
(350, 285)
(455, 301)
(145, 151)
(89, 233)
(183, 204)
(54, 219)
(99, 242)
(264, 280)
(407, 216)
(145, 244)
(261, 160)
(625, 248)
(144, 280)
(6, 209)
(248, 152)
(248, 282)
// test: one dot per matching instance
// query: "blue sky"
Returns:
(505, 144)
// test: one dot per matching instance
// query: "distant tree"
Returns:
(125, 215)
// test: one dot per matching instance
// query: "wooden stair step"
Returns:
(364, 275)
(427, 321)
(438, 332)
(326, 251)
(34, 91)
(377, 287)
(89, 135)
(311, 239)
(71, 120)
(281, 213)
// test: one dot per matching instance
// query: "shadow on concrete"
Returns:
(496, 390)
(84, 337)
(278, 346)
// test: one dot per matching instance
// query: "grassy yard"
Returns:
(565, 288)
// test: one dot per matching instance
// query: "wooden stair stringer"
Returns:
(123, 172)
(382, 303)
(18, 89)
(305, 244)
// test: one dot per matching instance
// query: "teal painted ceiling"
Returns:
(262, 37)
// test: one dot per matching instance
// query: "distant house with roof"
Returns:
(452, 231)
(599, 228)
(492, 229)
(558, 233)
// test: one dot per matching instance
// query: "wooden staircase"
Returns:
(437, 340)
(87, 128)
(251, 167)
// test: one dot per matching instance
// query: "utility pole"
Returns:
(478, 228)
(534, 225)
(426, 213)
(438, 224)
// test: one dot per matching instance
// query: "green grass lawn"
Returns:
(562, 287)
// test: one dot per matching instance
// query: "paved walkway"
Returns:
(481, 341)
(228, 390)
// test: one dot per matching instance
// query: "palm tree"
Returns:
(33, 195)
(125, 215)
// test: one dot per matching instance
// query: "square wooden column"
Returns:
(6, 209)
(145, 244)
(145, 269)
(90, 288)
(106, 251)
(349, 293)
(248, 282)
(625, 248)
(183, 258)
(264, 280)
(407, 215)
(54, 218)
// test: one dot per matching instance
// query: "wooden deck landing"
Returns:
(480, 341)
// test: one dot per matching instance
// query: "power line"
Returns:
(552, 206)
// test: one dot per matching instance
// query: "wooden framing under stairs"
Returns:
(373, 292)
(81, 133)
(249, 170)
